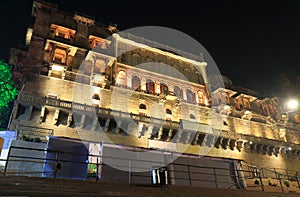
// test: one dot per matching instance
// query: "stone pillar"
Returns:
(116, 37)
(265, 149)
(218, 142)
(276, 151)
(225, 143)
(209, 140)
(271, 150)
(140, 129)
(28, 116)
(202, 68)
(128, 129)
(143, 84)
(196, 139)
(232, 144)
(259, 148)
(83, 117)
(70, 118)
(118, 127)
(239, 145)
(150, 130)
(170, 133)
(189, 137)
(42, 116)
(160, 133)
(56, 114)
(95, 122)
(179, 135)
(202, 139)
(106, 125)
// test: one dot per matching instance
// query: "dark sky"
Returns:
(254, 43)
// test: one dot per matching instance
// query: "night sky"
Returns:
(256, 44)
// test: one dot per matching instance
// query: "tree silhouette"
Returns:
(8, 92)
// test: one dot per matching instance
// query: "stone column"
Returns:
(202, 67)
(232, 144)
(179, 135)
(70, 118)
(42, 116)
(143, 84)
(150, 130)
(118, 127)
(95, 122)
(160, 133)
(239, 145)
(83, 117)
(195, 141)
(28, 117)
(106, 125)
(189, 135)
(209, 140)
(202, 139)
(140, 129)
(170, 135)
(225, 143)
(128, 129)
(56, 114)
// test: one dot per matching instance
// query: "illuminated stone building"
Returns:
(74, 73)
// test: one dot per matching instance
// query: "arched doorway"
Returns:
(136, 83)
(163, 89)
(150, 86)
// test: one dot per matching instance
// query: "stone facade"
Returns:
(86, 82)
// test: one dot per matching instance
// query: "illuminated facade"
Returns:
(71, 53)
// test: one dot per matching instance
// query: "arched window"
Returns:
(202, 98)
(178, 92)
(190, 96)
(143, 106)
(192, 117)
(168, 111)
(163, 89)
(150, 86)
(136, 83)
(96, 97)
(135, 59)
(122, 79)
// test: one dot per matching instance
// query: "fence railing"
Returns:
(216, 177)
(191, 175)
(273, 177)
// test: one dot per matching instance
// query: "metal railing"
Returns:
(191, 175)
(275, 177)
(218, 177)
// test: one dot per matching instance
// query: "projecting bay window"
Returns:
(202, 98)
(60, 56)
(62, 32)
